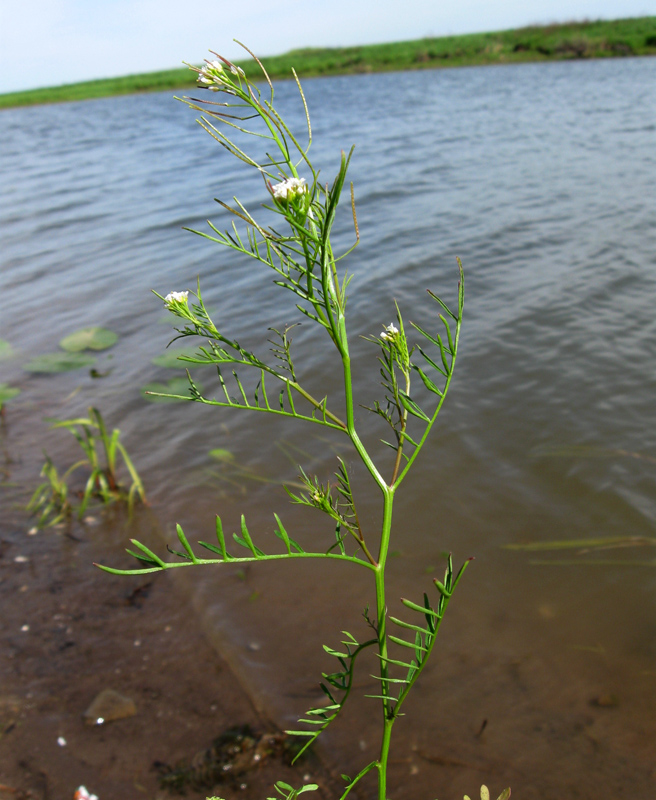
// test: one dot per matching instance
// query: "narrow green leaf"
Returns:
(185, 543)
(245, 539)
(212, 547)
(410, 405)
(449, 336)
(408, 625)
(221, 538)
(421, 609)
(149, 553)
(397, 663)
(335, 653)
(445, 361)
(431, 362)
(382, 697)
(425, 333)
(443, 304)
(281, 533)
(403, 643)
(428, 383)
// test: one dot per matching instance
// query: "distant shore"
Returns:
(562, 42)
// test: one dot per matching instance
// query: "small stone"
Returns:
(83, 794)
(21, 559)
(254, 646)
(33, 531)
(109, 705)
(606, 700)
(25, 628)
(61, 741)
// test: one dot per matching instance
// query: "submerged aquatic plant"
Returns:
(305, 264)
(51, 500)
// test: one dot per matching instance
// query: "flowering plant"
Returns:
(305, 264)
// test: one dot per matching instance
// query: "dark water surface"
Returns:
(541, 178)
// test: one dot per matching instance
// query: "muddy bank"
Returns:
(68, 632)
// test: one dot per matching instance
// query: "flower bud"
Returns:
(390, 334)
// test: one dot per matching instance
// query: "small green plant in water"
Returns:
(51, 500)
(415, 380)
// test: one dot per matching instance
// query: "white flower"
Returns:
(290, 188)
(176, 297)
(390, 333)
(210, 72)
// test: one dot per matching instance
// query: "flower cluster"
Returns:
(176, 297)
(214, 76)
(289, 189)
(390, 333)
(178, 303)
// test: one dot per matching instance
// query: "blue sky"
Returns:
(49, 42)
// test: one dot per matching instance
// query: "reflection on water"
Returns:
(538, 177)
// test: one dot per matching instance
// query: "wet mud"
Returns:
(69, 633)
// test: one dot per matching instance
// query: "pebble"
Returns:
(83, 794)
(61, 741)
(21, 559)
(107, 706)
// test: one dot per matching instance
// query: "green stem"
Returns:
(342, 345)
(235, 560)
(381, 610)
(382, 761)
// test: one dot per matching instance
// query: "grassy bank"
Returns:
(623, 37)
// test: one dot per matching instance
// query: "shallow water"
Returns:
(540, 177)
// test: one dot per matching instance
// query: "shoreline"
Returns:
(631, 37)
(68, 632)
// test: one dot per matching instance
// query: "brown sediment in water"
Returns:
(68, 632)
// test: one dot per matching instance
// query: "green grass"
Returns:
(602, 39)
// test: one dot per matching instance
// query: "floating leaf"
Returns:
(171, 359)
(220, 454)
(88, 339)
(6, 350)
(7, 393)
(59, 362)
(178, 386)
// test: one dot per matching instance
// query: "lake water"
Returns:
(541, 178)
